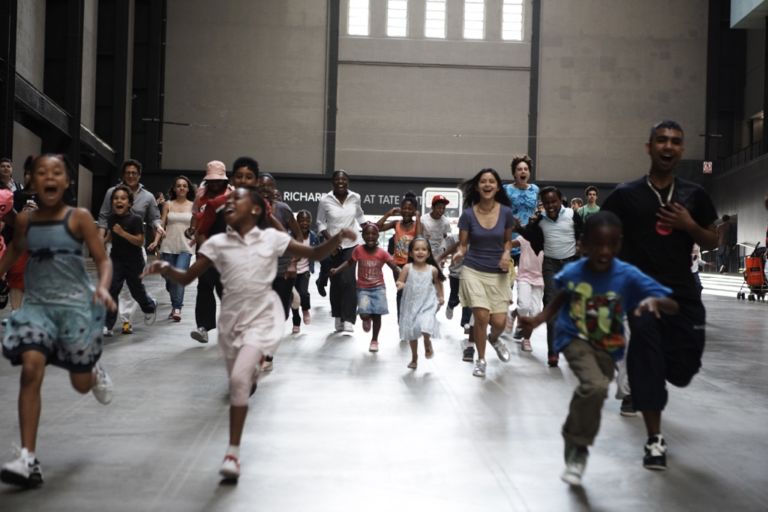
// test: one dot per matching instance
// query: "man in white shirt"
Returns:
(338, 209)
(434, 226)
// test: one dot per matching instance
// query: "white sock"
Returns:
(233, 450)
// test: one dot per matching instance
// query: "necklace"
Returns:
(661, 228)
(481, 210)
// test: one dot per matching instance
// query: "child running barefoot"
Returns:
(589, 331)
(60, 320)
(251, 320)
(422, 283)
(371, 294)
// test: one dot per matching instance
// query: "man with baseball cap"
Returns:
(434, 226)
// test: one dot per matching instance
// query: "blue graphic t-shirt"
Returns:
(598, 301)
(523, 205)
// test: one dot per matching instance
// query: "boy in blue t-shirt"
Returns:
(599, 289)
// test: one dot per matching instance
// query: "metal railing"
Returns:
(741, 157)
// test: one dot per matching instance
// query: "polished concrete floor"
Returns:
(335, 427)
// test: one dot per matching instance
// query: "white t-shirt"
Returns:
(435, 231)
(334, 216)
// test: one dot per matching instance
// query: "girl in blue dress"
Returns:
(62, 314)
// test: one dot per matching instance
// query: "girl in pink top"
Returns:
(371, 293)
(530, 286)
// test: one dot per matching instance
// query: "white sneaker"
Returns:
(103, 388)
(107, 333)
(149, 318)
(479, 369)
(339, 324)
(200, 334)
(230, 468)
(348, 327)
(526, 346)
(24, 470)
(575, 464)
(501, 349)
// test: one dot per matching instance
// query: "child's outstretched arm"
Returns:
(395, 269)
(531, 322)
(183, 277)
(657, 305)
(382, 222)
(340, 268)
(86, 229)
(402, 278)
(320, 251)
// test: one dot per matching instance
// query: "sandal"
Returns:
(412, 365)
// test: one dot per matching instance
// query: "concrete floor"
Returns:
(335, 427)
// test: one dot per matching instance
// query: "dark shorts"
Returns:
(664, 350)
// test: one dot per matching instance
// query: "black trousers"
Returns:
(343, 288)
(284, 289)
(127, 271)
(302, 286)
(205, 305)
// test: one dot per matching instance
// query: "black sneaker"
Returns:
(627, 408)
(655, 453)
(320, 288)
(469, 354)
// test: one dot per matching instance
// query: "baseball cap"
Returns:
(439, 199)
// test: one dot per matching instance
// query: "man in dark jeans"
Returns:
(663, 217)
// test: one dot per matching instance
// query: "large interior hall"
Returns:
(411, 99)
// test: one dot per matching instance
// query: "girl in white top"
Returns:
(251, 321)
(530, 286)
(175, 249)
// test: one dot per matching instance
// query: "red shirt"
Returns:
(369, 274)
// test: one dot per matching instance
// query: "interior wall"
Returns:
(245, 78)
(30, 41)
(743, 192)
(88, 98)
(607, 73)
(424, 107)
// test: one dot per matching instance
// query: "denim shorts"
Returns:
(372, 301)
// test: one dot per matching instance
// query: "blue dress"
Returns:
(418, 306)
(58, 316)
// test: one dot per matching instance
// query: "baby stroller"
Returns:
(754, 276)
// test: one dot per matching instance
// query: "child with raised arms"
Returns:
(596, 290)
(251, 320)
(421, 281)
(60, 320)
(371, 293)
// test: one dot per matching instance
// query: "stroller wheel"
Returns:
(751, 297)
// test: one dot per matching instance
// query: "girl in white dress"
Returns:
(251, 320)
(422, 283)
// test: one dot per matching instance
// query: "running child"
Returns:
(597, 290)
(371, 293)
(421, 281)
(125, 230)
(530, 287)
(304, 268)
(251, 320)
(406, 230)
(60, 320)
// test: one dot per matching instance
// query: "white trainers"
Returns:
(103, 388)
(149, 318)
(338, 324)
(348, 327)
(230, 468)
(479, 369)
(107, 333)
(501, 349)
(200, 334)
(575, 464)
(526, 346)
(24, 470)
